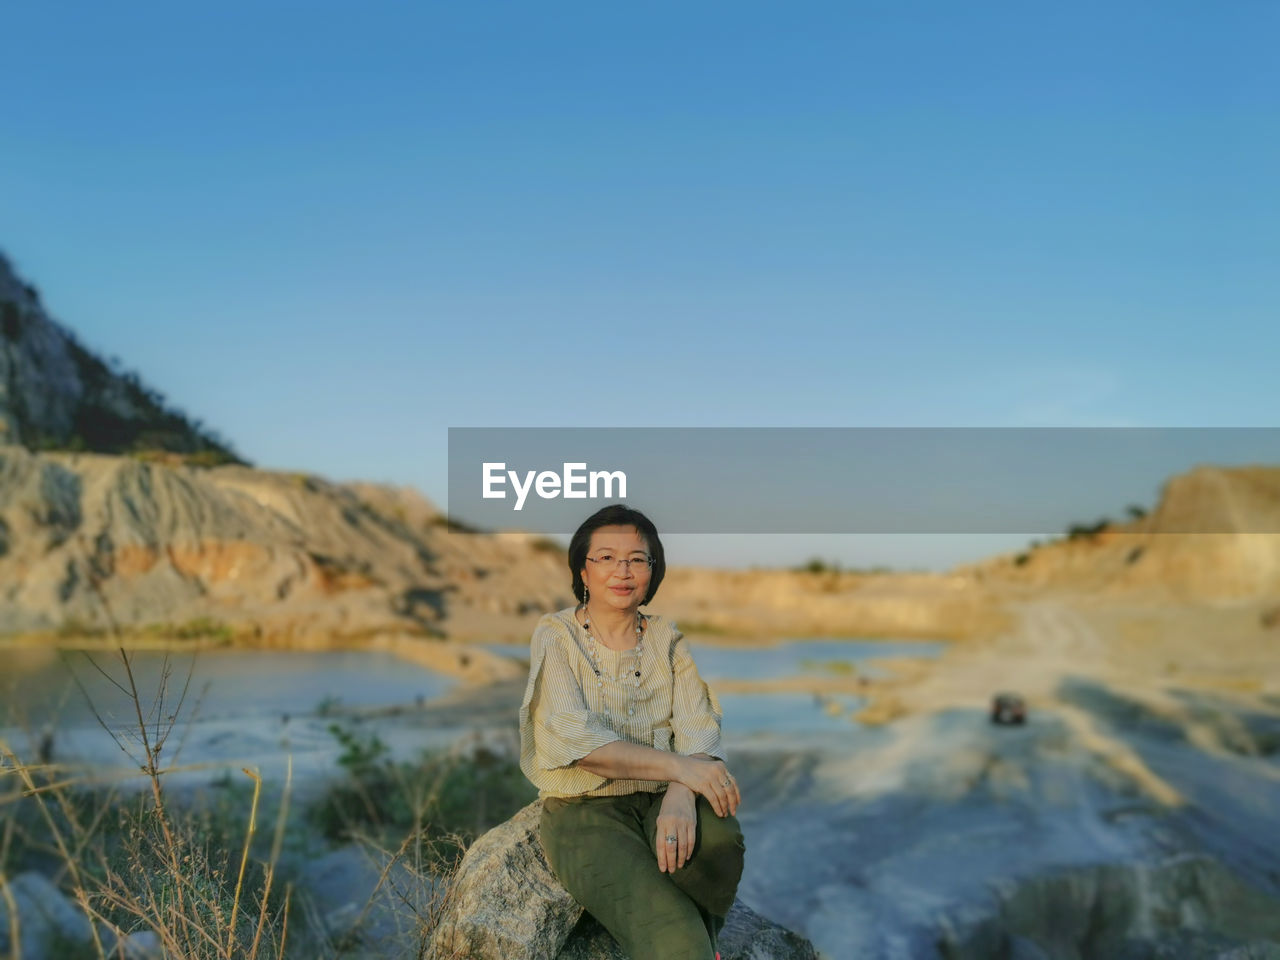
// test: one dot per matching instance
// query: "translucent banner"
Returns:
(866, 479)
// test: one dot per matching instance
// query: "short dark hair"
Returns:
(620, 515)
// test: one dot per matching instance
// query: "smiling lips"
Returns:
(622, 589)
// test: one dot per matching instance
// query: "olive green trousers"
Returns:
(602, 850)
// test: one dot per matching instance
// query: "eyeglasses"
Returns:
(607, 561)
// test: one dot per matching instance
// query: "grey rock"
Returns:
(49, 925)
(749, 936)
(143, 945)
(365, 903)
(506, 903)
(1259, 950)
(1188, 907)
(140, 945)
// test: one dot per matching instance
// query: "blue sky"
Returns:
(334, 230)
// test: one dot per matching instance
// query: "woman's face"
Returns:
(619, 585)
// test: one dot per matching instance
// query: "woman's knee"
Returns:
(719, 837)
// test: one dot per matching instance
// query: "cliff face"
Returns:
(796, 603)
(1214, 536)
(90, 540)
(55, 394)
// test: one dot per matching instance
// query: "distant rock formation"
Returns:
(55, 394)
(1214, 535)
(90, 543)
(118, 514)
(833, 603)
(505, 904)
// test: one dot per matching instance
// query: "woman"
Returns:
(622, 739)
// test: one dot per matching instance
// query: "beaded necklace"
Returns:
(632, 682)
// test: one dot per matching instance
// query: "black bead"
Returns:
(637, 673)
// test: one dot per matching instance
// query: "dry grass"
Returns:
(204, 882)
(135, 862)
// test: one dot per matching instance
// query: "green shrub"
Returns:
(199, 628)
(1088, 531)
(449, 799)
(818, 565)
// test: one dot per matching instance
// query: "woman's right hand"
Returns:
(711, 779)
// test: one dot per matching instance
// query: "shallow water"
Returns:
(38, 686)
(791, 658)
(747, 714)
(41, 685)
(783, 713)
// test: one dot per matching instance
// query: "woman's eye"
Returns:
(605, 558)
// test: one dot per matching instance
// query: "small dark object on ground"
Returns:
(1008, 708)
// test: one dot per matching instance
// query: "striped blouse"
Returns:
(568, 712)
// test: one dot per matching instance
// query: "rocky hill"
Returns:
(1213, 536)
(92, 542)
(119, 514)
(55, 394)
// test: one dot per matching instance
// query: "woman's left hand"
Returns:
(677, 817)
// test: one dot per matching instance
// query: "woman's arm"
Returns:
(695, 711)
(621, 760)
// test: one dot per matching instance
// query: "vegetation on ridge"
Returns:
(110, 409)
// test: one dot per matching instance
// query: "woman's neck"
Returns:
(614, 628)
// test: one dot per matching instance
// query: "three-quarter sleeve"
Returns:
(695, 711)
(556, 727)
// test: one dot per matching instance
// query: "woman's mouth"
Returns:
(621, 590)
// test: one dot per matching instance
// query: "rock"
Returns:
(143, 945)
(364, 905)
(506, 903)
(1187, 907)
(139, 945)
(49, 925)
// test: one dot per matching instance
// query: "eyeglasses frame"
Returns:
(619, 561)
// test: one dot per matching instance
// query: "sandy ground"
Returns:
(1148, 769)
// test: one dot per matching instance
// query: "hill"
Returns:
(56, 394)
(118, 514)
(93, 542)
(1214, 536)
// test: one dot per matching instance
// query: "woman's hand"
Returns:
(711, 779)
(677, 817)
